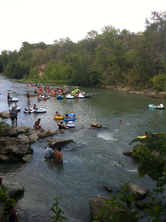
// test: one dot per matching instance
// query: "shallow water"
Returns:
(96, 156)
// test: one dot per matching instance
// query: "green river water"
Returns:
(96, 156)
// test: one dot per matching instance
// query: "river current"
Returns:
(94, 159)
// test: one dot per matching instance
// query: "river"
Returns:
(96, 156)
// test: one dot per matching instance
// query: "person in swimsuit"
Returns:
(8, 96)
(61, 125)
(58, 156)
(37, 126)
(28, 96)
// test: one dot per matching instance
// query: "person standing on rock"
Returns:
(58, 156)
(13, 114)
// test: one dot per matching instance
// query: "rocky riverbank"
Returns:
(127, 89)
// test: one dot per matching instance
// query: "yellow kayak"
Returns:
(58, 117)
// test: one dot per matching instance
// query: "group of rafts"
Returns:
(154, 106)
(76, 94)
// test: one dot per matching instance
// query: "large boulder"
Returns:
(5, 114)
(14, 188)
(96, 204)
(5, 158)
(13, 131)
(47, 133)
(138, 192)
(96, 125)
(19, 146)
(33, 137)
(58, 142)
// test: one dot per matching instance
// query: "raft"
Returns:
(67, 120)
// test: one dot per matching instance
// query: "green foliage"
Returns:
(112, 57)
(120, 207)
(58, 217)
(151, 152)
(3, 195)
(159, 82)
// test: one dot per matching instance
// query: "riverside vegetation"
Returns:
(115, 57)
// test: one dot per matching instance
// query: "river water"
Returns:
(96, 156)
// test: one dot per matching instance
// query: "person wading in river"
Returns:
(58, 156)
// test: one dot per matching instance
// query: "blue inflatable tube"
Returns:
(71, 114)
(72, 119)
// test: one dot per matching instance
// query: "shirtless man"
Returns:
(37, 126)
(58, 156)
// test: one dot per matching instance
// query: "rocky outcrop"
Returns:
(138, 192)
(13, 131)
(58, 142)
(14, 188)
(5, 114)
(96, 204)
(47, 133)
(14, 148)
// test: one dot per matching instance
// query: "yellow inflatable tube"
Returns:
(141, 137)
(58, 117)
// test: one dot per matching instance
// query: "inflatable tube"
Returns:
(81, 96)
(18, 109)
(58, 117)
(141, 137)
(152, 106)
(69, 96)
(59, 97)
(70, 124)
(72, 119)
(39, 110)
(71, 114)
(13, 100)
(25, 110)
(46, 96)
(161, 106)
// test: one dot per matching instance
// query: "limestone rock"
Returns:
(19, 146)
(128, 153)
(96, 125)
(96, 204)
(58, 142)
(15, 188)
(138, 192)
(5, 114)
(107, 188)
(27, 158)
(5, 158)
